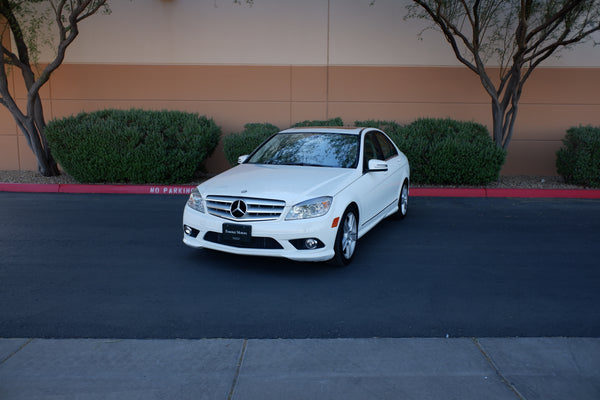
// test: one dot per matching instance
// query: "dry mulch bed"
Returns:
(512, 182)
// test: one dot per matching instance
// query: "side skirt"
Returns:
(383, 214)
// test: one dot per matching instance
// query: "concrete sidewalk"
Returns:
(463, 368)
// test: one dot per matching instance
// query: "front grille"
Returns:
(255, 243)
(256, 209)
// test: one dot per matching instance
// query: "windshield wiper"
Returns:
(304, 164)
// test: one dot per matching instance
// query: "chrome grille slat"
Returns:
(218, 206)
(258, 209)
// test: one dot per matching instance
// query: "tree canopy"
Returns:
(514, 35)
(33, 23)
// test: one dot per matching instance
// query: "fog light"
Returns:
(307, 244)
(188, 230)
(311, 243)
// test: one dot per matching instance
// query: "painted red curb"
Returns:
(28, 188)
(96, 189)
(187, 189)
(545, 193)
(126, 189)
(523, 193)
(441, 192)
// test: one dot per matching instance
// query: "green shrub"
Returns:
(578, 161)
(330, 122)
(446, 151)
(238, 144)
(133, 146)
(392, 128)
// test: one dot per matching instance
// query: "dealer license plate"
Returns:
(237, 233)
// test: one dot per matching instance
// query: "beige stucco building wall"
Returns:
(283, 61)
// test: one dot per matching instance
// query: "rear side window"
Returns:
(387, 147)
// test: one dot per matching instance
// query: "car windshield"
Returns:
(334, 150)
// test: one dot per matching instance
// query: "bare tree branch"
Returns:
(438, 18)
(521, 34)
(66, 15)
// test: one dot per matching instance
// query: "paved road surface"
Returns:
(113, 266)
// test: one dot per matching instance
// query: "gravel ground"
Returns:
(520, 181)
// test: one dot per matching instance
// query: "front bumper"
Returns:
(269, 238)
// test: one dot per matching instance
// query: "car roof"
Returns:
(348, 130)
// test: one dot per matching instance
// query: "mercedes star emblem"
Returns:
(238, 209)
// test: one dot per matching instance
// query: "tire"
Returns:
(346, 238)
(402, 202)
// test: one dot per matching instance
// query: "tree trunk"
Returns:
(504, 114)
(498, 123)
(46, 164)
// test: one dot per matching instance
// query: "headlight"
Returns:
(196, 201)
(310, 208)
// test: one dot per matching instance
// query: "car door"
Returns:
(377, 190)
(393, 160)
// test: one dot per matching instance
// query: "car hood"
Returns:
(292, 184)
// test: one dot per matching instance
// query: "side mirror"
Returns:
(377, 166)
(242, 159)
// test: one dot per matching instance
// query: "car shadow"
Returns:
(212, 259)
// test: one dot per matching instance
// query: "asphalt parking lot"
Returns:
(97, 266)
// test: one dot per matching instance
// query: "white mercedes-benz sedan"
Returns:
(307, 194)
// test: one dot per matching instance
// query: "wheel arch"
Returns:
(353, 206)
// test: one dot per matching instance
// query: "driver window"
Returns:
(371, 150)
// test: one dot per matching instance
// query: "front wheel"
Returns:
(346, 238)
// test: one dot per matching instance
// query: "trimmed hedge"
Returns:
(132, 146)
(440, 151)
(330, 122)
(239, 144)
(446, 151)
(578, 161)
(392, 128)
